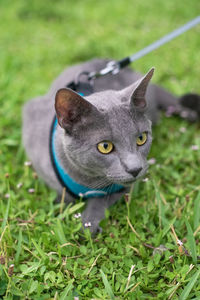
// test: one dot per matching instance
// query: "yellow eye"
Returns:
(141, 139)
(105, 147)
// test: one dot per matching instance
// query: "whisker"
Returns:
(100, 184)
(109, 189)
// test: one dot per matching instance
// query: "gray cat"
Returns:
(99, 143)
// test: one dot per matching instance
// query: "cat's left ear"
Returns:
(138, 96)
(71, 108)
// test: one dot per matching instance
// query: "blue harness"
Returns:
(74, 188)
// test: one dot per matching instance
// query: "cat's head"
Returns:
(107, 134)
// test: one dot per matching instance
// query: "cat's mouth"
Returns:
(125, 180)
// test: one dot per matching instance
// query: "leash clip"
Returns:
(112, 67)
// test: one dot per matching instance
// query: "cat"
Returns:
(100, 142)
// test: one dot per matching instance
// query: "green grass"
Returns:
(52, 257)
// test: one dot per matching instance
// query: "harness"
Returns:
(83, 85)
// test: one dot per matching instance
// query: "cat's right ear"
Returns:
(70, 108)
(138, 96)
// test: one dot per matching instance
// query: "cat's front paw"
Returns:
(92, 225)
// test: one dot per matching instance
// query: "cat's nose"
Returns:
(135, 171)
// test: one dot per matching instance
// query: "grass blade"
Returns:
(19, 246)
(196, 211)
(168, 226)
(189, 286)
(71, 210)
(6, 215)
(107, 286)
(60, 232)
(191, 242)
(76, 207)
(161, 207)
(39, 250)
(67, 290)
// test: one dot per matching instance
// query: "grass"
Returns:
(52, 258)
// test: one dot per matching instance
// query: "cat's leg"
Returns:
(95, 210)
(173, 105)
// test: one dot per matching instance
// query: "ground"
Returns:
(52, 258)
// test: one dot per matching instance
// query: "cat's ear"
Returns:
(70, 108)
(138, 96)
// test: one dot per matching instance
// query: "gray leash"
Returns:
(114, 67)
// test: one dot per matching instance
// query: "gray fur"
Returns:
(116, 119)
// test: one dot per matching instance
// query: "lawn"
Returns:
(139, 255)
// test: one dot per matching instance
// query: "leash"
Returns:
(84, 81)
(115, 66)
